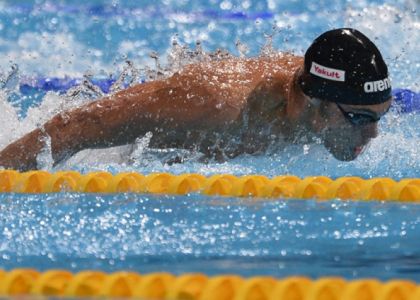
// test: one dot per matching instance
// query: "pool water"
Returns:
(70, 39)
(210, 234)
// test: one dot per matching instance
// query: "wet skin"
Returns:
(255, 102)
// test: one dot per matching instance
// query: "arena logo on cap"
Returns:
(327, 73)
(377, 86)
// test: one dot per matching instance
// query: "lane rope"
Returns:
(163, 285)
(256, 186)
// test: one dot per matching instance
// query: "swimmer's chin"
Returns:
(344, 154)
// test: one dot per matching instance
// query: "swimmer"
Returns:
(334, 95)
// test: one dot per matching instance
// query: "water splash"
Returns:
(10, 81)
(177, 56)
(129, 76)
(267, 50)
(139, 147)
(181, 55)
(44, 159)
(242, 48)
(9, 119)
(156, 73)
(85, 90)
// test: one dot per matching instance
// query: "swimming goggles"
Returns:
(362, 117)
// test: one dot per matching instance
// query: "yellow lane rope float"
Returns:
(61, 283)
(285, 186)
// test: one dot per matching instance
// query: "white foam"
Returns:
(10, 125)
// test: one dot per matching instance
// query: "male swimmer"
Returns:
(335, 95)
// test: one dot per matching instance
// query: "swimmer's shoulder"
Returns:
(274, 75)
(281, 64)
(278, 71)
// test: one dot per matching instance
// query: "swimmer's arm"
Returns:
(117, 120)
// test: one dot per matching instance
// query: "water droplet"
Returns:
(226, 5)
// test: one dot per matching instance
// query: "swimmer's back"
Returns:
(233, 80)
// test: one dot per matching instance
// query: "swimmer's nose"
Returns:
(370, 131)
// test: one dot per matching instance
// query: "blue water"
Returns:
(68, 39)
(212, 235)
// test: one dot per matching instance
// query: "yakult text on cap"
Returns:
(327, 73)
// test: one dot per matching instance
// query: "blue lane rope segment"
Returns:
(408, 101)
(61, 85)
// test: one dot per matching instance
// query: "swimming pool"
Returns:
(213, 235)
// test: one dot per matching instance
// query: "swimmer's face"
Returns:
(349, 128)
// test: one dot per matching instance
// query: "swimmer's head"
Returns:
(345, 74)
(344, 129)
(344, 66)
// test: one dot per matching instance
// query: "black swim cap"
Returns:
(344, 66)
